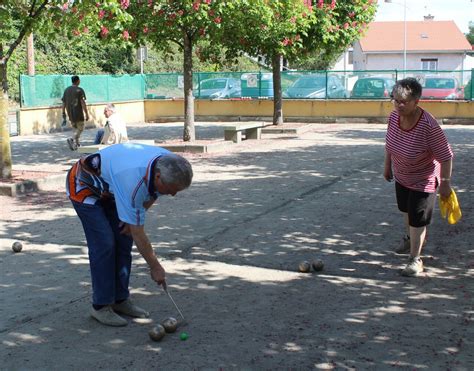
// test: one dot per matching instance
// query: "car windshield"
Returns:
(213, 84)
(310, 82)
(439, 83)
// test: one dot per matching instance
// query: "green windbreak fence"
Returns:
(47, 90)
(438, 85)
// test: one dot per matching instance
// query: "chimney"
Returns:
(428, 17)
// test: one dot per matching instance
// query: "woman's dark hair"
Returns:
(408, 88)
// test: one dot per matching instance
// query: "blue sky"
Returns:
(460, 11)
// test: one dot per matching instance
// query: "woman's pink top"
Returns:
(417, 153)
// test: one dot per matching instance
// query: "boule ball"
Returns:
(170, 324)
(157, 333)
(183, 336)
(304, 267)
(17, 246)
(318, 265)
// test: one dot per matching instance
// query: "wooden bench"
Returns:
(98, 147)
(252, 130)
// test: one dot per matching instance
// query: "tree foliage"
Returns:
(48, 17)
(218, 30)
(336, 25)
(294, 29)
(470, 34)
(270, 28)
(180, 22)
(65, 56)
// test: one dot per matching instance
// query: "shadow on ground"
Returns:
(231, 245)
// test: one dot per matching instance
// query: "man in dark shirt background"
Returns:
(74, 103)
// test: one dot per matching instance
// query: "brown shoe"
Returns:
(71, 144)
(128, 308)
(108, 317)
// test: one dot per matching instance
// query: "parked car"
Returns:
(257, 85)
(372, 87)
(219, 88)
(314, 87)
(442, 88)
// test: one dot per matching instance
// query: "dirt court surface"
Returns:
(231, 245)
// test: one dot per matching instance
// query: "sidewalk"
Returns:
(231, 245)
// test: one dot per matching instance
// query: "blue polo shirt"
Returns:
(127, 169)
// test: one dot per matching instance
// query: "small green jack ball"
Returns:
(183, 336)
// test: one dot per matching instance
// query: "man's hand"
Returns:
(158, 275)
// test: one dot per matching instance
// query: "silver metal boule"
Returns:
(304, 267)
(170, 324)
(157, 333)
(17, 246)
(318, 265)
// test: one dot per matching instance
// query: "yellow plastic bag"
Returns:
(450, 208)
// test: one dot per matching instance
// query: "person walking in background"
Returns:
(111, 191)
(74, 103)
(114, 131)
(419, 158)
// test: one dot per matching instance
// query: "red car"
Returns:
(442, 88)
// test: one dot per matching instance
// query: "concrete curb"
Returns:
(281, 129)
(26, 186)
(286, 119)
(197, 148)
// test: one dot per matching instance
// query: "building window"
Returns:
(350, 56)
(429, 64)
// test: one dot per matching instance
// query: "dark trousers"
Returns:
(98, 136)
(110, 253)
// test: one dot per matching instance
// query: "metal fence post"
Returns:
(199, 84)
(472, 84)
(20, 91)
(326, 76)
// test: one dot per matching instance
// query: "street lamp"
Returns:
(404, 32)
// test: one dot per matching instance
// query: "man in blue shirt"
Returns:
(111, 191)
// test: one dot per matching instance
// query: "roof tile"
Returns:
(421, 36)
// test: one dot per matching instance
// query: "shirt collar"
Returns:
(150, 176)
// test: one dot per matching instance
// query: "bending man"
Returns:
(111, 191)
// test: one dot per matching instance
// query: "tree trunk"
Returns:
(277, 96)
(30, 54)
(189, 133)
(5, 150)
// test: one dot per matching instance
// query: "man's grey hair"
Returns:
(110, 107)
(174, 169)
(408, 88)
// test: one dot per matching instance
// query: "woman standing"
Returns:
(419, 157)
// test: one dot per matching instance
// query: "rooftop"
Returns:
(442, 36)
